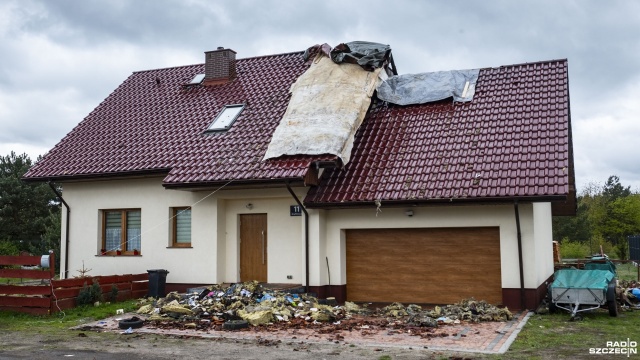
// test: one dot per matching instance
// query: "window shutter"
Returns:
(183, 226)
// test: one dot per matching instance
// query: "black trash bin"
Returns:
(157, 282)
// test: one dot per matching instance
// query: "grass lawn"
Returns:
(555, 336)
(627, 271)
(14, 321)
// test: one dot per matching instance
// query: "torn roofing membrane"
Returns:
(427, 87)
(328, 103)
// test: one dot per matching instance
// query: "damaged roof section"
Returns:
(328, 103)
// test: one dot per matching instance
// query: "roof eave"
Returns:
(236, 184)
(438, 201)
(99, 176)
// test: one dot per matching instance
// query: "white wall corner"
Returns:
(317, 248)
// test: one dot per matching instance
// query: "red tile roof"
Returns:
(511, 141)
(146, 126)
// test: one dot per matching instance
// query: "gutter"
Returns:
(435, 201)
(100, 176)
(66, 247)
(237, 184)
(519, 235)
(306, 235)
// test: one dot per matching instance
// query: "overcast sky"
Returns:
(60, 59)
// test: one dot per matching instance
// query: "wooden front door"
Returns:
(253, 247)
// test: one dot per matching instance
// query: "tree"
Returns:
(27, 210)
(605, 216)
(613, 190)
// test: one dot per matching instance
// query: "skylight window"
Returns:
(196, 79)
(225, 119)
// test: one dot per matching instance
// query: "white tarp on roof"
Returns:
(328, 103)
(426, 87)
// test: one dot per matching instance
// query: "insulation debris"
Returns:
(258, 306)
(328, 104)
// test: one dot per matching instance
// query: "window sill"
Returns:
(179, 247)
(115, 255)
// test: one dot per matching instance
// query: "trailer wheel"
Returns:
(613, 308)
(611, 298)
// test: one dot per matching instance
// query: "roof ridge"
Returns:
(527, 63)
(272, 55)
(202, 64)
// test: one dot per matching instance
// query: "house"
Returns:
(428, 202)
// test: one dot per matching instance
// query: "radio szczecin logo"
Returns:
(627, 347)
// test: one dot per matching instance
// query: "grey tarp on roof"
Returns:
(427, 87)
(369, 55)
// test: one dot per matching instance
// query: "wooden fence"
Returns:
(48, 295)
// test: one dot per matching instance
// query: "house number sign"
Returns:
(294, 210)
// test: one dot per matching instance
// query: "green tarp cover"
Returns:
(609, 266)
(582, 279)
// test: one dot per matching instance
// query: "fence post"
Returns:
(52, 275)
(52, 265)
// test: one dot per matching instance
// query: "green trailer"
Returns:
(577, 290)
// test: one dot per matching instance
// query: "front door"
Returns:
(253, 247)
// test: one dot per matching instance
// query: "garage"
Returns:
(430, 266)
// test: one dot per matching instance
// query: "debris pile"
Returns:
(628, 294)
(212, 307)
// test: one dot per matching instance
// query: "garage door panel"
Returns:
(450, 271)
(450, 280)
(436, 266)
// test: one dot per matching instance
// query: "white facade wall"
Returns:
(215, 258)
(214, 255)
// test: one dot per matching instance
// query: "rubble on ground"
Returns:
(209, 308)
(628, 294)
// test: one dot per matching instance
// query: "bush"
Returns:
(621, 251)
(89, 295)
(573, 249)
(8, 248)
(113, 295)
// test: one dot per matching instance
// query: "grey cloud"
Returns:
(598, 38)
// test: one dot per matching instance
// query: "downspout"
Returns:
(519, 232)
(66, 247)
(306, 235)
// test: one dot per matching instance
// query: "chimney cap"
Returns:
(220, 47)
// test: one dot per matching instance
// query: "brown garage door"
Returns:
(431, 266)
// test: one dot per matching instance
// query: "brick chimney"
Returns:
(220, 66)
